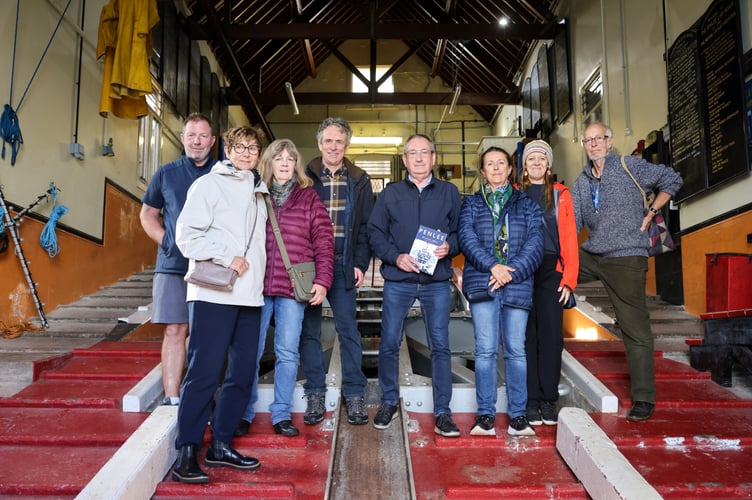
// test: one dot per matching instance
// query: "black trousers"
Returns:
(544, 339)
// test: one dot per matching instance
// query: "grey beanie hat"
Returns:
(538, 146)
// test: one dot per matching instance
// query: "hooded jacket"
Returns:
(223, 211)
(477, 236)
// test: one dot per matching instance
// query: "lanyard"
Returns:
(595, 193)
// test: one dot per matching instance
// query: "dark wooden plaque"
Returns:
(721, 55)
(544, 91)
(535, 101)
(562, 78)
(169, 23)
(687, 114)
(527, 105)
(183, 73)
(194, 81)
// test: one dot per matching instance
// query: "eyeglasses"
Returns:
(241, 148)
(598, 139)
(415, 153)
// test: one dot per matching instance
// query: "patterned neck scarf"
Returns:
(280, 192)
(496, 199)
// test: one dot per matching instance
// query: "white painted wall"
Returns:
(596, 39)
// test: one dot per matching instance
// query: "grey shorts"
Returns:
(168, 304)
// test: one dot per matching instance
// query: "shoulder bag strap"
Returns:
(253, 228)
(642, 191)
(277, 234)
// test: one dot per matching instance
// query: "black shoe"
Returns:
(519, 426)
(356, 411)
(445, 426)
(186, 468)
(315, 408)
(484, 426)
(286, 428)
(641, 411)
(242, 428)
(384, 416)
(548, 413)
(533, 415)
(220, 454)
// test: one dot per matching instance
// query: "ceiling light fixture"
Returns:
(291, 97)
(377, 140)
(457, 90)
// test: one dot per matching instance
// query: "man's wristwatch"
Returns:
(652, 209)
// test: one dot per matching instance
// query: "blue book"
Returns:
(426, 242)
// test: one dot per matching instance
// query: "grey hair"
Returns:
(609, 132)
(340, 123)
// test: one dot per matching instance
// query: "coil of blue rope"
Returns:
(48, 238)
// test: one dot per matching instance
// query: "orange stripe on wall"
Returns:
(82, 267)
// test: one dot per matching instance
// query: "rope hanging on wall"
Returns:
(10, 128)
(48, 238)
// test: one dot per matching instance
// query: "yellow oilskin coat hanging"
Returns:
(124, 41)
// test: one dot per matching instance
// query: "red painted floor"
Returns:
(697, 444)
(56, 434)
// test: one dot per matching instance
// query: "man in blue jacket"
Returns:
(401, 208)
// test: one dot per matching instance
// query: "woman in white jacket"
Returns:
(224, 219)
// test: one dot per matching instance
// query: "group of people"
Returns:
(519, 240)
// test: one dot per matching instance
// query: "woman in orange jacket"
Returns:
(554, 280)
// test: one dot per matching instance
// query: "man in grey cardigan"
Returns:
(608, 203)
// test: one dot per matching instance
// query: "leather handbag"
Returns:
(660, 237)
(301, 274)
(209, 274)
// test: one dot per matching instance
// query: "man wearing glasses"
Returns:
(402, 207)
(162, 203)
(608, 203)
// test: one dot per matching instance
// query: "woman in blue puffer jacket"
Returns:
(501, 236)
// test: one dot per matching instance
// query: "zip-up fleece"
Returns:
(399, 210)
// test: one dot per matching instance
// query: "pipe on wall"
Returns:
(625, 71)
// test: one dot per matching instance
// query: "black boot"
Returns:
(186, 468)
(220, 453)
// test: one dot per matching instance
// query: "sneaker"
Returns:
(171, 401)
(445, 426)
(548, 413)
(315, 408)
(356, 411)
(533, 415)
(641, 411)
(484, 426)
(384, 416)
(518, 426)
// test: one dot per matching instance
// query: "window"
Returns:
(591, 96)
(150, 136)
(385, 88)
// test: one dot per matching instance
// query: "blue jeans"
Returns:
(342, 302)
(492, 321)
(266, 318)
(288, 320)
(434, 303)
